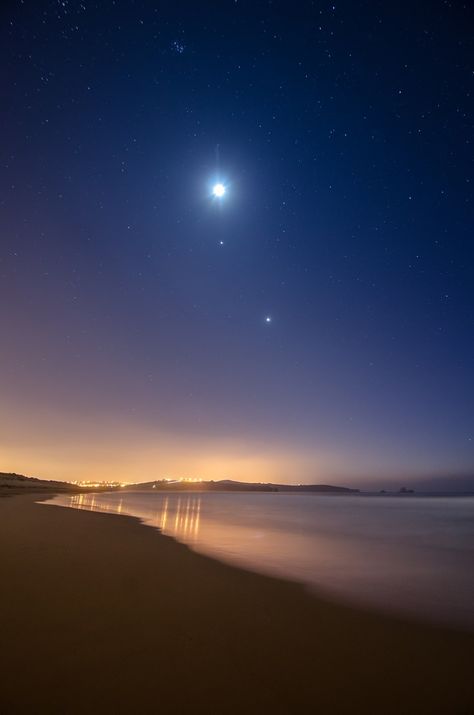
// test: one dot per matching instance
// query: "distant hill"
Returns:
(9, 481)
(229, 485)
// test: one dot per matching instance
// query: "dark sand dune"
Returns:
(100, 614)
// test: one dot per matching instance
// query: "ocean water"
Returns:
(412, 555)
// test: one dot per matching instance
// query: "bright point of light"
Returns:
(218, 190)
(268, 319)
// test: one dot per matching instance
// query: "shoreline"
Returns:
(447, 618)
(145, 621)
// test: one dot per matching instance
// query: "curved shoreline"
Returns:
(454, 614)
(105, 616)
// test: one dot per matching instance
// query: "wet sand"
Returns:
(100, 614)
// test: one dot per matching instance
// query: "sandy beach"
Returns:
(100, 614)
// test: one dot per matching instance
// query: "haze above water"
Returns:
(407, 554)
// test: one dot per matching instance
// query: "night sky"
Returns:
(133, 303)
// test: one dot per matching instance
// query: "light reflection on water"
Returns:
(176, 516)
(412, 555)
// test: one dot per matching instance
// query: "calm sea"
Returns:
(414, 555)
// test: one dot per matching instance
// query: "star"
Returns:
(268, 319)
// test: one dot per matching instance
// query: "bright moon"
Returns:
(218, 190)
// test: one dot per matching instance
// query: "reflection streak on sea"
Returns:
(178, 516)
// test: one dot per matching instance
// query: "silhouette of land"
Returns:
(18, 482)
(230, 485)
(11, 483)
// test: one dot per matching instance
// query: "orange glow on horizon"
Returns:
(77, 448)
(50, 444)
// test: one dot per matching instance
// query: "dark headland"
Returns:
(230, 485)
(10, 482)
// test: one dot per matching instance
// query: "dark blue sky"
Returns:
(133, 304)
